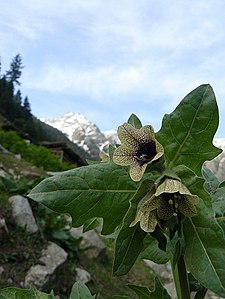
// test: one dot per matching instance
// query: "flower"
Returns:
(170, 197)
(138, 148)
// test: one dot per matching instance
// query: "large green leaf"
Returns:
(186, 133)
(16, 293)
(152, 252)
(129, 242)
(159, 291)
(219, 206)
(80, 291)
(99, 190)
(204, 240)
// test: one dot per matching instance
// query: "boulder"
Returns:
(51, 258)
(82, 275)
(90, 241)
(22, 213)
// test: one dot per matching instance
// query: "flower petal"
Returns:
(186, 207)
(151, 204)
(148, 220)
(137, 171)
(159, 151)
(123, 156)
(128, 135)
(146, 133)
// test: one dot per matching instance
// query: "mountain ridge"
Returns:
(83, 132)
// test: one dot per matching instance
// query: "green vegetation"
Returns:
(37, 155)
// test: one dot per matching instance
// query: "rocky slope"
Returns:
(217, 165)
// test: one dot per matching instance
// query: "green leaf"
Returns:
(80, 291)
(187, 133)
(204, 240)
(129, 242)
(219, 206)
(134, 121)
(16, 293)
(222, 184)
(144, 293)
(211, 181)
(152, 252)
(91, 224)
(121, 297)
(101, 190)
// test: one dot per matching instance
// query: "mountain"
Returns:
(83, 132)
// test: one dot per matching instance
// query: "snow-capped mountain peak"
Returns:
(80, 131)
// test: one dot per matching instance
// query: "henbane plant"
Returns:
(153, 187)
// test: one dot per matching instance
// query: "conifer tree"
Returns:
(15, 71)
(26, 106)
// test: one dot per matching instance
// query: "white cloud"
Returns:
(97, 83)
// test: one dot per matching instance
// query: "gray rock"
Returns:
(37, 275)
(3, 150)
(164, 270)
(51, 258)
(3, 173)
(217, 166)
(90, 241)
(3, 226)
(211, 295)
(23, 214)
(82, 275)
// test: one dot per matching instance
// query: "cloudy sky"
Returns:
(109, 58)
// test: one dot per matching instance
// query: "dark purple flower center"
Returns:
(146, 152)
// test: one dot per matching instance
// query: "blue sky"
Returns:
(109, 58)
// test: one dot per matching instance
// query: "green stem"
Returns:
(181, 280)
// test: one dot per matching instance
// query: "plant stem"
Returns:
(181, 279)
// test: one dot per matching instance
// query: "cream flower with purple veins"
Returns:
(138, 148)
(170, 198)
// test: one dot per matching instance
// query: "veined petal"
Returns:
(148, 220)
(186, 207)
(159, 151)
(123, 156)
(137, 171)
(128, 135)
(146, 133)
(151, 204)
